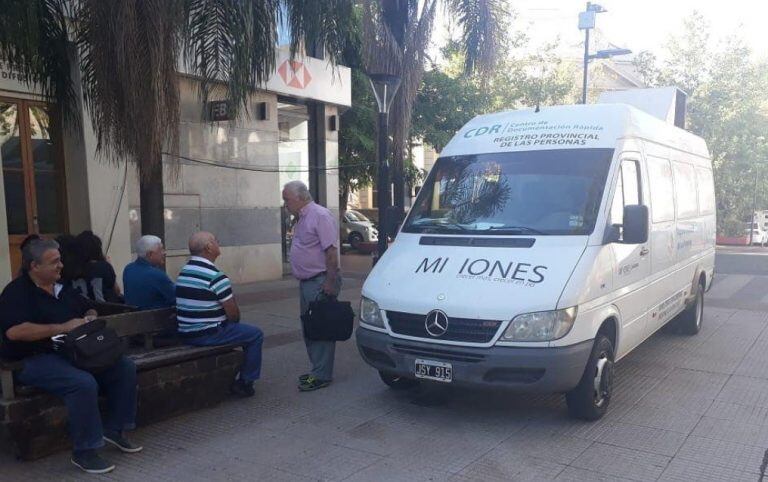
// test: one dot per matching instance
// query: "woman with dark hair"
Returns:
(71, 257)
(97, 277)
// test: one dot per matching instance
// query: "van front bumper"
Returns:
(556, 369)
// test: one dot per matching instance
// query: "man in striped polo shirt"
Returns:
(207, 313)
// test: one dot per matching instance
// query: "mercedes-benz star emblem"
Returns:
(436, 323)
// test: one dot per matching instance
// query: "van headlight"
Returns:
(370, 314)
(540, 326)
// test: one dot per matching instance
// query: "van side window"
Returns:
(685, 187)
(627, 190)
(662, 192)
(706, 190)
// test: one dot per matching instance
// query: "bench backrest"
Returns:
(104, 308)
(142, 322)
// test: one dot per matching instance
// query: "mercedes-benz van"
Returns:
(543, 247)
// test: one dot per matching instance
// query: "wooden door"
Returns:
(33, 172)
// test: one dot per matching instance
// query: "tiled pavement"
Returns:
(685, 408)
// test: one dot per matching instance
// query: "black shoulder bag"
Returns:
(92, 347)
(328, 319)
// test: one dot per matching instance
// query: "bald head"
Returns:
(201, 244)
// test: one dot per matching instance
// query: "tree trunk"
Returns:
(398, 179)
(152, 203)
(343, 198)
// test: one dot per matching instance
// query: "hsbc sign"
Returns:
(304, 78)
(311, 78)
(295, 74)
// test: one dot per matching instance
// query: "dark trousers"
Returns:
(80, 389)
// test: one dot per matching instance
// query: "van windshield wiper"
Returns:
(516, 229)
(447, 225)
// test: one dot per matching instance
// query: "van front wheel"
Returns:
(590, 399)
(397, 382)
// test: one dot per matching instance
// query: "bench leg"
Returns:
(6, 381)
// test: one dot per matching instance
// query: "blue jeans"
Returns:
(249, 336)
(80, 389)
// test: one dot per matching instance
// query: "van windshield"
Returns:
(553, 192)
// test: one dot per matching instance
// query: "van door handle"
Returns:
(644, 251)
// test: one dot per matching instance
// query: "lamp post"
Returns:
(754, 219)
(384, 88)
(587, 23)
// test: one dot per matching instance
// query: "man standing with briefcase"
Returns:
(315, 263)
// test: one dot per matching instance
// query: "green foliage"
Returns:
(728, 107)
(443, 105)
(33, 42)
(357, 139)
(448, 99)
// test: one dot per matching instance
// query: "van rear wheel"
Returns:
(396, 382)
(689, 321)
(591, 397)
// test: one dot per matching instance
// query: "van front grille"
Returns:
(437, 353)
(459, 329)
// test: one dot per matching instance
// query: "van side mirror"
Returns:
(635, 224)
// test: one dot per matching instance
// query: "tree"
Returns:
(128, 54)
(357, 140)
(396, 34)
(448, 99)
(728, 107)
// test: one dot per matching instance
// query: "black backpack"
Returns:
(92, 347)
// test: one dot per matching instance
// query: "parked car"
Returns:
(758, 235)
(356, 229)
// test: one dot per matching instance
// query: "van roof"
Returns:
(567, 127)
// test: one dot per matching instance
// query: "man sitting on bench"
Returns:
(33, 308)
(146, 285)
(207, 312)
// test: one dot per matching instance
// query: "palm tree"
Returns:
(127, 54)
(396, 35)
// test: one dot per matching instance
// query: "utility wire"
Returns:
(269, 169)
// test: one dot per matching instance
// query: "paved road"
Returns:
(685, 408)
(741, 278)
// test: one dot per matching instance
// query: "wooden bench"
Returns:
(146, 324)
(171, 380)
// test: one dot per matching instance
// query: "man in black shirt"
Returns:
(35, 307)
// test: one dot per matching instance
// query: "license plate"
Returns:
(434, 370)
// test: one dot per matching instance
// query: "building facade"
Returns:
(227, 178)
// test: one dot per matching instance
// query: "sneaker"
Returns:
(303, 378)
(119, 441)
(312, 383)
(241, 388)
(90, 461)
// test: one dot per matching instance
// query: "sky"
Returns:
(641, 24)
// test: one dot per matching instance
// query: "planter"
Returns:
(733, 240)
(367, 247)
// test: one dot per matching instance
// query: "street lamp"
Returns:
(607, 54)
(384, 88)
(587, 22)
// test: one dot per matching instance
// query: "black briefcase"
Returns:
(328, 319)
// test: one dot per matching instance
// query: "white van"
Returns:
(543, 247)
